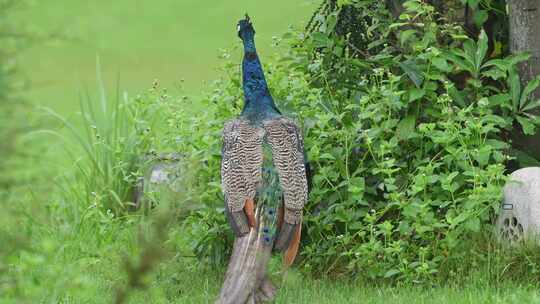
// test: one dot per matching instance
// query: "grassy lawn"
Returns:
(139, 41)
(74, 263)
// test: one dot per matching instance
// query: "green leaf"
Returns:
(442, 64)
(415, 94)
(473, 224)
(404, 36)
(457, 96)
(483, 154)
(524, 159)
(481, 50)
(527, 125)
(480, 17)
(376, 43)
(461, 217)
(360, 63)
(499, 99)
(459, 37)
(410, 68)
(331, 22)
(477, 83)
(494, 73)
(405, 128)
(532, 105)
(497, 144)
(456, 56)
(357, 185)
(338, 51)
(391, 273)
(515, 59)
(327, 156)
(320, 40)
(470, 49)
(531, 86)
(502, 64)
(412, 6)
(343, 2)
(473, 3)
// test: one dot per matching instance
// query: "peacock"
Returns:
(264, 182)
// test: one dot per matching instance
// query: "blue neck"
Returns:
(259, 104)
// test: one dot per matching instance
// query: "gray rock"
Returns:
(520, 215)
(161, 178)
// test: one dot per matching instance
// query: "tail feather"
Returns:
(292, 250)
(280, 235)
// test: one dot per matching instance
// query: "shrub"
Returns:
(431, 110)
(406, 139)
(108, 148)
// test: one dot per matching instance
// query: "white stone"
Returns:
(161, 178)
(520, 215)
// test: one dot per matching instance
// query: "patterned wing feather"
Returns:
(241, 165)
(287, 145)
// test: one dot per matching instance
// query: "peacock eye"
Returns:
(238, 28)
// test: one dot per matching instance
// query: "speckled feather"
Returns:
(242, 163)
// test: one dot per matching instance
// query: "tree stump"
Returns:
(246, 279)
(524, 29)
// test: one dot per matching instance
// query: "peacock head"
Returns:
(245, 28)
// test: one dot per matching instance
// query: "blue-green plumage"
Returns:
(259, 104)
(270, 196)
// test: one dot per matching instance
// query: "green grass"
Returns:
(84, 263)
(86, 269)
(141, 41)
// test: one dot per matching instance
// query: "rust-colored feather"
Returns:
(290, 253)
(249, 209)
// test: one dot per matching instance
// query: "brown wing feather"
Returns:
(241, 163)
(287, 146)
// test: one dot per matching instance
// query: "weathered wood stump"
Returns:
(246, 280)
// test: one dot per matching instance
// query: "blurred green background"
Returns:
(138, 41)
(59, 241)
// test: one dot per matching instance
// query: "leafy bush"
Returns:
(431, 111)
(406, 138)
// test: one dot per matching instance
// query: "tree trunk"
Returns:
(525, 37)
(246, 280)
